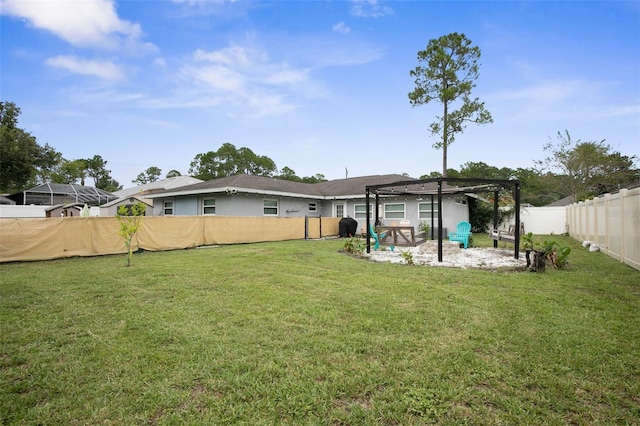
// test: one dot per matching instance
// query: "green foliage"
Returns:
(130, 219)
(173, 173)
(448, 76)
(152, 174)
(354, 245)
(229, 161)
(289, 174)
(588, 168)
(408, 257)
(549, 251)
(23, 162)
(480, 215)
(424, 226)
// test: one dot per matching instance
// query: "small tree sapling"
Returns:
(130, 219)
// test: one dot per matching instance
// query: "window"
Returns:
(209, 206)
(394, 211)
(461, 200)
(168, 208)
(339, 209)
(425, 209)
(313, 207)
(361, 211)
(270, 207)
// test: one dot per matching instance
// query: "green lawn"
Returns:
(298, 333)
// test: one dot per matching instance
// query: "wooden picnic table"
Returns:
(406, 235)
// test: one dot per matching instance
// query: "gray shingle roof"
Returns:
(250, 183)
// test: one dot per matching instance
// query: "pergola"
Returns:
(416, 187)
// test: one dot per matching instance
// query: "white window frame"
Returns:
(165, 207)
(266, 207)
(426, 212)
(205, 206)
(362, 214)
(313, 207)
(386, 213)
(335, 209)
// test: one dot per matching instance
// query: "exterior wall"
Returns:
(240, 204)
(452, 212)
(244, 205)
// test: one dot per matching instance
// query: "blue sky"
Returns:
(317, 86)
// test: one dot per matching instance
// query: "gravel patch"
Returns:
(471, 258)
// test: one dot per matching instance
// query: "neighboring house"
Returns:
(570, 199)
(64, 210)
(247, 195)
(111, 209)
(51, 194)
(129, 196)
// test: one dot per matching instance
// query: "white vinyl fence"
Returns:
(544, 220)
(612, 221)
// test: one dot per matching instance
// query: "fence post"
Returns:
(623, 254)
(607, 223)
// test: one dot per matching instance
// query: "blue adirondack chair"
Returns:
(376, 237)
(462, 234)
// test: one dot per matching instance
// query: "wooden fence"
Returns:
(52, 238)
(612, 221)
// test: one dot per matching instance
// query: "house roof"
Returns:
(129, 198)
(570, 199)
(266, 185)
(159, 185)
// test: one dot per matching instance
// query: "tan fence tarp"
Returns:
(52, 238)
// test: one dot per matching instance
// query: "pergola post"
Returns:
(495, 215)
(368, 232)
(516, 243)
(439, 220)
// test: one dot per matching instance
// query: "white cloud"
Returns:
(341, 28)
(245, 77)
(550, 92)
(87, 23)
(369, 9)
(160, 62)
(103, 69)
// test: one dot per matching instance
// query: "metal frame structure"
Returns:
(416, 187)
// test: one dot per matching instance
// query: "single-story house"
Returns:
(129, 196)
(71, 210)
(248, 195)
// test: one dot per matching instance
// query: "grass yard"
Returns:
(298, 333)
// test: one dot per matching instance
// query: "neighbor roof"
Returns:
(56, 193)
(159, 185)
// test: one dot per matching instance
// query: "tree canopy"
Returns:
(448, 75)
(152, 174)
(229, 161)
(587, 168)
(22, 161)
